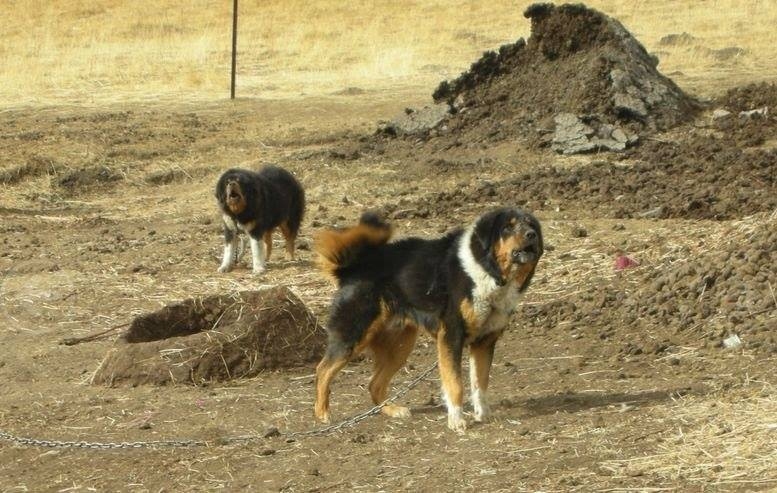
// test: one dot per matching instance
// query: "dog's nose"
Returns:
(530, 235)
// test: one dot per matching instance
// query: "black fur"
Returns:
(416, 281)
(273, 198)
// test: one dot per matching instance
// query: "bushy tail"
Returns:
(339, 248)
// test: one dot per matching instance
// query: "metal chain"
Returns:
(35, 442)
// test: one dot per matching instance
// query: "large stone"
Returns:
(574, 136)
(418, 122)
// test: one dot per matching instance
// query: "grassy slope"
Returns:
(83, 51)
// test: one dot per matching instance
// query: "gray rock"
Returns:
(720, 114)
(573, 136)
(619, 135)
(416, 122)
(756, 112)
(626, 103)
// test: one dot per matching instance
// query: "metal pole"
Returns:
(234, 49)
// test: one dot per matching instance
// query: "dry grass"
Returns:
(732, 446)
(95, 51)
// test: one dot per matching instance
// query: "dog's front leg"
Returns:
(230, 247)
(257, 251)
(449, 349)
(481, 354)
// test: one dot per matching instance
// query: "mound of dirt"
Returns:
(79, 180)
(727, 290)
(34, 166)
(215, 338)
(750, 97)
(580, 83)
(711, 178)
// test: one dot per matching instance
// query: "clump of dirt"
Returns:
(578, 66)
(677, 39)
(83, 179)
(711, 178)
(726, 290)
(748, 115)
(178, 175)
(215, 338)
(750, 97)
(34, 166)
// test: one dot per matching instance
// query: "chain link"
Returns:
(353, 420)
(35, 442)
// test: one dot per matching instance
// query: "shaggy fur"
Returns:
(461, 288)
(257, 203)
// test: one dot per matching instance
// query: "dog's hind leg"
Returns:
(267, 245)
(334, 360)
(390, 348)
(355, 318)
(230, 245)
(289, 235)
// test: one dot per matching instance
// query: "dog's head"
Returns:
(507, 242)
(232, 191)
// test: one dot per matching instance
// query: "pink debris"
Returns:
(625, 262)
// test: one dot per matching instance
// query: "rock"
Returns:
(720, 114)
(573, 136)
(619, 135)
(418, 122)
(629, 106)
(759, 112)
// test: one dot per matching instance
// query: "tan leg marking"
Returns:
(267, 244)
(390, 351)
(328, 367)
(290, 238)
(325, 373)
(481, 355)
(450, 375)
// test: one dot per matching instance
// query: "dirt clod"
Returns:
(214, 338)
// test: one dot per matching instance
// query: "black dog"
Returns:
(461, 288)
(257, 203)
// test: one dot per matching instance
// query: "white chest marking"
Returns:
(229, 222)
(492, 303)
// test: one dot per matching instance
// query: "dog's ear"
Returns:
(535, 224)
(220, 192)
(487, 230)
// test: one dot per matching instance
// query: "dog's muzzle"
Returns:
(530, 252)
(233, 192)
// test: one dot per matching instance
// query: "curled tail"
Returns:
(340, 248)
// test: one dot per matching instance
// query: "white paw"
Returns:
(482, 412)
(225, 268)
(258, 269)
(395, 411)
(456, 421)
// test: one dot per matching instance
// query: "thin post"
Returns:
(234, 49)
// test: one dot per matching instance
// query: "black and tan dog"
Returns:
(461, 288)
(257, 203)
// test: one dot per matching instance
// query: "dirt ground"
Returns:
(608, 380)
